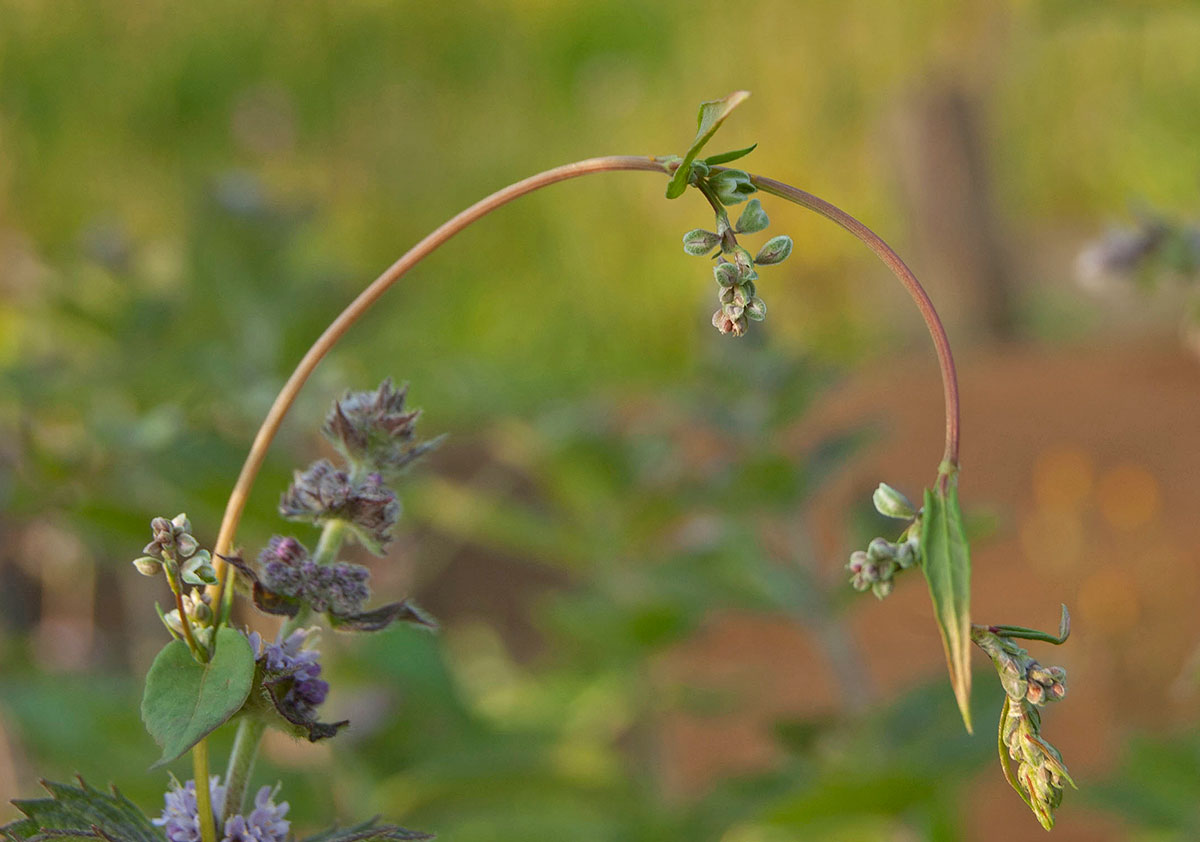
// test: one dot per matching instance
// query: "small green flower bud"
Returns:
(181, 523)
(882, 588)
(147, 566)
(740, 297)
(753, 218)
(725, 273)
(891, 503)
(756, 308)
(727, 293)
(775, 250)
(699, 170)
(186, 545)
(1036, 693)
(198, 569)
(880, 549)
(734, 311)
(731, 186)
(202, 614)
(744, 263)
(906, 555)
(699, 242)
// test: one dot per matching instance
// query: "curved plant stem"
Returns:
(287, 395)
(892, 260)
(364, 301)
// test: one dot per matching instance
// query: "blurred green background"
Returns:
(634, 534)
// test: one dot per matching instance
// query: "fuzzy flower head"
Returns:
(181, 821)
(288, 570)
(322, 493)
(374, 431)
(296, 669)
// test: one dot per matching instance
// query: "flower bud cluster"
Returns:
(374, 432)
(1040, 772)
(1021, 676)
(322, 493)
(876, 568)
(735, 270)
(288, 570)
(174, 549)
(197, 609)
(180, 817)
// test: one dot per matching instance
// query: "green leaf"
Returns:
(185, 701)
(1022, 633)
(726, 157)
(712, 115)
(947, 568)
(80, 813)
(368, 831)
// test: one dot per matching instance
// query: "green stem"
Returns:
(208, 828)
(241, 764)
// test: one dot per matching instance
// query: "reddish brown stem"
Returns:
(365, 299)
(892, 260)
(287, 395)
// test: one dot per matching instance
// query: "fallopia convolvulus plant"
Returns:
(214, 673)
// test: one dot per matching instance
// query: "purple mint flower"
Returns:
(289, 571)
(266, 822)
(373, 429)
(322, 493)
(180, 816)
(307, 689)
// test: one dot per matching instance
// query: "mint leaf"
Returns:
(947, 568)
(368, 831)
(80, 814)
(712, 115)
(186, 701)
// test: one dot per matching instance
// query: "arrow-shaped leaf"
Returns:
(185, 701)
(947, 567)
(712, 115)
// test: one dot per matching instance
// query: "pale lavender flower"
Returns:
(181, 820)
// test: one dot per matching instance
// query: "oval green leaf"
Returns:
(186, 701)
(947, 567)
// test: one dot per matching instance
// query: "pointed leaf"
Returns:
(381, 618)
(712, 115)
(185, 701)
(368, 831)
(726, 157)
(947, 567)
(80, 813)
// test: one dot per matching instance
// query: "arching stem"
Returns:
(364, 301)
(884, 252)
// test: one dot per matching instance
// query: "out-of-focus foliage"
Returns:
(188, 193)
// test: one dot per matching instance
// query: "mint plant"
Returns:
(214, 673)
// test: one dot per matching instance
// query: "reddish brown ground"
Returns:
(1090, 458)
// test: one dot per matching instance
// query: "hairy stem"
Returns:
(250, 731)
(208, 828)
(241, 765)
